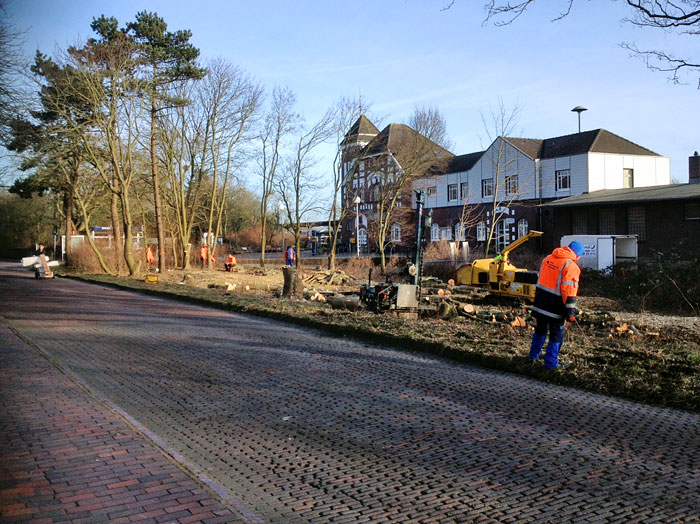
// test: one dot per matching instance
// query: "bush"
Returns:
(666, 285)
(83, 259)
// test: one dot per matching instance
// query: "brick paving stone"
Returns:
(294, 426)
(51, 472)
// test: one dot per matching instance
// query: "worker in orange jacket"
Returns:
(555, 301)
(204, 254)
(149, 255)
(230, 262)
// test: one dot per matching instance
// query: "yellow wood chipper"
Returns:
(499, 276)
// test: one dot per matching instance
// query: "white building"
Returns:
(514, 175)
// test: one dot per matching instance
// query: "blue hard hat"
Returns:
(577, 247)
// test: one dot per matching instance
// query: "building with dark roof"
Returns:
(378, 168)
(502, 186)
(486, 194)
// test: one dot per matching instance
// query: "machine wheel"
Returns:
(36, 274)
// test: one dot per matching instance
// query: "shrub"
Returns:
(667, 284)
(84, 260)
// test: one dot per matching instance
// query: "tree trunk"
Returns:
(128, 242)
(262, 241)
(293, 285)
(116, 227)
(69, 225)
(156, 190)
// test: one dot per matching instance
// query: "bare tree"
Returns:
(347, 111)
(184, 154)
(12, 64)
(430, 123)
(280, 121)
(398, 157)
(681, 17)
(230, 99)
(299, 185)
(508, 184)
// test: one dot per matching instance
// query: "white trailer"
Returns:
(603, 251)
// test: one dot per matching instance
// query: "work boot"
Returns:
(551, 356)
(536, 346)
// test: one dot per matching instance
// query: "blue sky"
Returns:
(399, 53)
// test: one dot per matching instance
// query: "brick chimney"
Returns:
(694, 169)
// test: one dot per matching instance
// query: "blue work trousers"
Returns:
(556, 337)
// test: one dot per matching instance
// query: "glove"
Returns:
(571, 313)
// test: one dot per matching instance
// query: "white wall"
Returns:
(606, 170)
(513, 162)
(589, 172)
(578, 167)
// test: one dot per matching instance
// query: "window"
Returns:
(563, 179)
(512, 185)
(463, 190)
(481, 232)
(445, 233)
(502, 237)
(396, 233)
(636, 222)
(451, 192)
(523, 227)
(606, 221)
(434, 233)
(628, 178)
(460, 232)
(487, 187)
(432, 190)
(363, 237)
(692, 211)
(579, 222)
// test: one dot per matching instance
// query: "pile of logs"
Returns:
(241, 286)
(329, 278)
(602, 323)
(450, 309)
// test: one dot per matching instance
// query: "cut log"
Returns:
(466, 309)
(351, 302)
(446, 311)
(518, 322)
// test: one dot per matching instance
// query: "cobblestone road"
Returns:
(297, 427)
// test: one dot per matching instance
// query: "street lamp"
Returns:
(579, 110)
(357, 201)
(280, 206)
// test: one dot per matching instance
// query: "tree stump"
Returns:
(293, 284)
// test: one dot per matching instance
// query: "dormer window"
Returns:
(628, 178)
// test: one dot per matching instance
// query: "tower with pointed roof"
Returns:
(359, 135)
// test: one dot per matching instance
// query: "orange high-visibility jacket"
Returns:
(203, 252)
(557, 286)
(231, 260)
(149, 255)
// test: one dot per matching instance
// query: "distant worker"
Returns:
(555, 301)
(204, 255)
(149, 255)
(230, 262)
(40, 251)
(290, 256)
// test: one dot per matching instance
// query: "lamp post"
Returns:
(280, 206)
(357, 201)
(579, 110)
